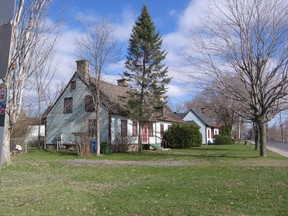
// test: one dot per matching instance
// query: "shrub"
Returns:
(83, 144)
(183, 136)
(225, 131)
(122, 143)
(105, 147)
(222, 140)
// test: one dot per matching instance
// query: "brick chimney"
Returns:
(83, 69)
(123, 82)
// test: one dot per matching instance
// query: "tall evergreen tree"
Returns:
(147, 74)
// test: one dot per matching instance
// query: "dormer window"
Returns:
(73, 84)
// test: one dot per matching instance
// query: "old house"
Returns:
(207, 125)
(73, 113)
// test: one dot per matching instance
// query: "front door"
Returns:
(145, 134)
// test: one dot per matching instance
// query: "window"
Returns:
(161, 130)
(209, 133)
(73, 84)
(135, 128)
(150, 129)
(68, 105)
(89, 104)
(124, 128)
(92, 127)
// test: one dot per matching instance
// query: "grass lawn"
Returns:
(221, 180)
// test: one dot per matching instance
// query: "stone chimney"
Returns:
(123, 82)
(83, 69)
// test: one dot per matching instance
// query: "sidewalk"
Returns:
(278, 151)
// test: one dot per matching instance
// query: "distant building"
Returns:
(33, 132)
(207, 126)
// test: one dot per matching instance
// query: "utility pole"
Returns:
(6, 15)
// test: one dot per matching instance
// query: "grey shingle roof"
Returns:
(114, 97)
(167, 115)
(206, 119)
(181, 115)
(203, 117)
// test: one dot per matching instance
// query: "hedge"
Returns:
(222, 140)
(183, 136)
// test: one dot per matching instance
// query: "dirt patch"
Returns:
(243, 163)
(131, 163)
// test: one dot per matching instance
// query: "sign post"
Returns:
(6, 15)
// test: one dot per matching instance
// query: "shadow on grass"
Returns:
(207, 155)
(204, 152)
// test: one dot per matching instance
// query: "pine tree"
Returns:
(146, 72)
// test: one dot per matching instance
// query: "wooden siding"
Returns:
(77, 121)
(192, 117)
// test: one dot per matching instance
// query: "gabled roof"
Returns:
(181, 115)
(206, 119)
(114, 98)
(202, 116)
(49, 108)
(166, 115)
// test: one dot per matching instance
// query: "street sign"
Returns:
(5, 41)
(6, 11)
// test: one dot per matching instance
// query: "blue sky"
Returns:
(174, 19)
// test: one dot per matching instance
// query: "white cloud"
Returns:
(176, 91)
(174, 43)
(191, 17)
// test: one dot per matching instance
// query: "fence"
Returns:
(26, 145)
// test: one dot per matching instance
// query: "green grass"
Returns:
(225, 180)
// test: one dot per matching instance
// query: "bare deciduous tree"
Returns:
(218, 107)
(99, 45)
(42, 79)
(243, 46)
(30, 38)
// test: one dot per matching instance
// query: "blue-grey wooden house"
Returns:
(73, 113)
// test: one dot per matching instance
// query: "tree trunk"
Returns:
(140, 137)
(263, 139)
(6, 143)
(257, 140)
(39, 134)
(98, 128)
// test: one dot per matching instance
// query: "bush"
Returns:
(222, 140)
(83, 144)
(122, 143)
(183, 136)
(225, 131)
(104, 147)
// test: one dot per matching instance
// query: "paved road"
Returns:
(280, 148)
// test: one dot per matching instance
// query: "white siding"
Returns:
(192, 117)
(116, 128)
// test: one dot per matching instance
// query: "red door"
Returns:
(145, 134)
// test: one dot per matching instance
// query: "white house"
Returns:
(33, 132)
(207, 126)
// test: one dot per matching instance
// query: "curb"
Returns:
(278, 151)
